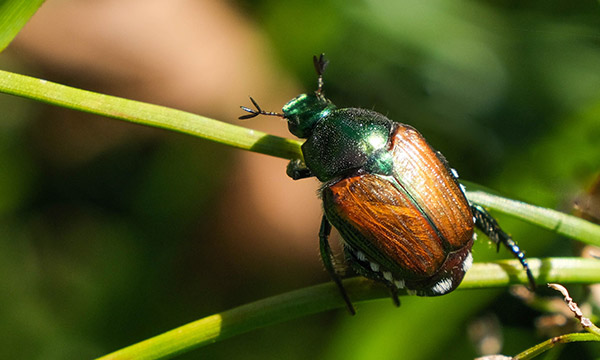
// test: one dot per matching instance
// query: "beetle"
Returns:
(404, 218)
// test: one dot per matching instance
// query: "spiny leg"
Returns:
(488, 225)
(327, 257)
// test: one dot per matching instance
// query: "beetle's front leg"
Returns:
(488, 225)
(327, 257)
(296, 169)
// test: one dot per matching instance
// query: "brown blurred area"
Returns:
(113, 232)
(205, 57)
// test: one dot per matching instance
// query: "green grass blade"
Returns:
(567, 225)
(148, 114)
(14, 14)
(324, 297)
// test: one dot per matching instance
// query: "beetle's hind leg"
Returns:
(328, 261)
(488, 225)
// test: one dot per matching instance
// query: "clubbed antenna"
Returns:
(258, 111)
(320, 65)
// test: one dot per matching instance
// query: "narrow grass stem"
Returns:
(324, 297)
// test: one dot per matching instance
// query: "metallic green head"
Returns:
(305, 111)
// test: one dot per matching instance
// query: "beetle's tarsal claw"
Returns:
(532, 284)
(394, 296)
(349, 305)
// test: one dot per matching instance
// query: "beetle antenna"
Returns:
(320, 65)
(258, 111)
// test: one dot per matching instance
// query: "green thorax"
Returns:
(339, 141)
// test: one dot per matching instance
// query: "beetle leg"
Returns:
(296, 169)
(327, 257)
(364, 267)
(486, 223)
(394, 295)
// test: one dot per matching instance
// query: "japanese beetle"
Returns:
(403, 216)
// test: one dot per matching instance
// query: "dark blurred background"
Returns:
(111, 233)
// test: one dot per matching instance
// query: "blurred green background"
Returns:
(111, 233)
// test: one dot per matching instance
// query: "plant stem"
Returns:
(550, 343)
(323, 297)
(148, 114)
(561, 223)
